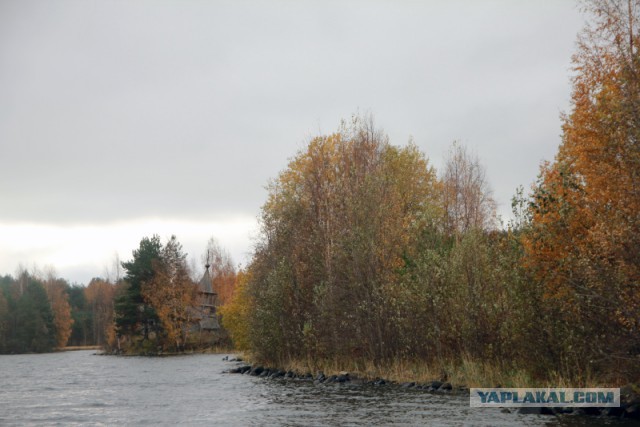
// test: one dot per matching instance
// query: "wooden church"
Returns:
(207, 317)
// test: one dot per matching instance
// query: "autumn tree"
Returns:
(236, 311)
(584, 244)
(467, 197)
(99, 295)
(172, 293)
(57, 293)
(337, 228)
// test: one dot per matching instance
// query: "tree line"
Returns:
(368, 254)
(153, 305)
(39, 313)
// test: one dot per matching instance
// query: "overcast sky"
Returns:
(121, 119)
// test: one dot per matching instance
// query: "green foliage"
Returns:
(4, 320)
(82, 329)
(26, 318)
(133, 315)
(172, 295)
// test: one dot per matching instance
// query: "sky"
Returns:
(123, 119)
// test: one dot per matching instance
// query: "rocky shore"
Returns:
(629, 395)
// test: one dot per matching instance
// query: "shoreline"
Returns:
(207, 350)
(78, 348)
(629, 408)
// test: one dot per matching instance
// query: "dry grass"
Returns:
(473, 373)
(464, 372)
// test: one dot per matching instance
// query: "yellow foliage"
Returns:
(235, 313)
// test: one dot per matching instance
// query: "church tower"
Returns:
(208, 317)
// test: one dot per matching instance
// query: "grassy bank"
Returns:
(463, 373)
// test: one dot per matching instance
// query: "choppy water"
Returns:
(79, 388)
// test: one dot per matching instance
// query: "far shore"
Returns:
(79, 347)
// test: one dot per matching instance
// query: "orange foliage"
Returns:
(585, 240)
(172, 294)
(59, 301)
(100, 295)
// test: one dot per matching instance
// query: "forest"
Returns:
(41, 313)
(371, 260)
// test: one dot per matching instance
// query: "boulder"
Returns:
(632, 411)
(434, 385)
(445, 387)
(630, 401)
(331, 379)
(343, 377)
(274, 374)
(257, 370)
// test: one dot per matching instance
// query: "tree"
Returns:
(467, 199)
(133, 315)
(82, 328)
(223, 272)
(236, 311)
(4, 321)
(57, 293)
(172, 293)
(99, 296)
(337, 228)
(31, 322)
(584, 240)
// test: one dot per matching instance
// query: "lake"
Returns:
(80, 388)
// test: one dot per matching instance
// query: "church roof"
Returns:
(205, 282)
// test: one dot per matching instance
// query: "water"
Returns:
(80, 388)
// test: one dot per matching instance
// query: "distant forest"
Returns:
(40, 312)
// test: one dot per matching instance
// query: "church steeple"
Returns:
(205, 282)
(208, 318)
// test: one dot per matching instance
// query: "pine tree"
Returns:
(133, 315)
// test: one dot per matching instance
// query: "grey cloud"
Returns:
(116, 110)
